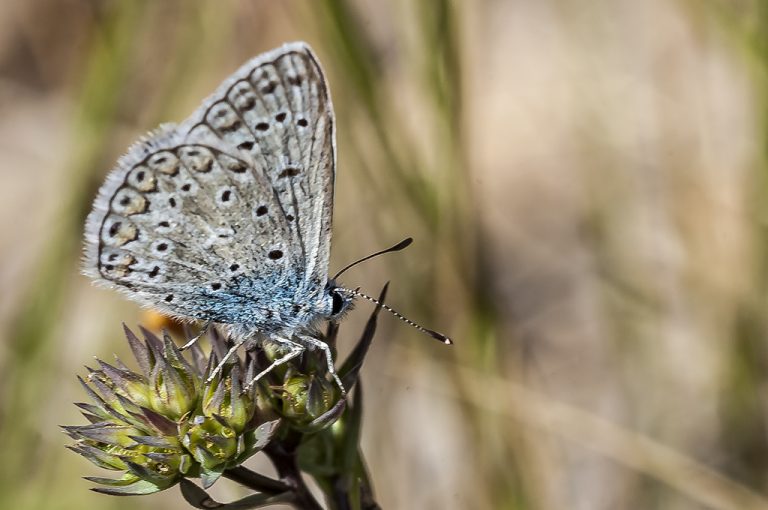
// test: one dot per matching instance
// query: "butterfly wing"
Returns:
(276, 110)
(227, 216)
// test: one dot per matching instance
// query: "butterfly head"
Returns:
(338, 300)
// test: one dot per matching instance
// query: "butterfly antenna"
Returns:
(434, 334)
(399, 246)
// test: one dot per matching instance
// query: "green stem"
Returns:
(283, 457)
(255, 481)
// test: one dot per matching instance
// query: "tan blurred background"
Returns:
(587, 183)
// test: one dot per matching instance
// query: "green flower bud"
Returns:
(307, 397)
(151, 463)
(211, 442)
(173, 385)
(167, 423)
(224, 399)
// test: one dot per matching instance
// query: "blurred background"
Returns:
(587, 184)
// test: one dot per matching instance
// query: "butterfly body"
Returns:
(226, 217)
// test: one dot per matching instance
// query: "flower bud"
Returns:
(173, 385)
(167, 423)
(224, 399)
(306, 397)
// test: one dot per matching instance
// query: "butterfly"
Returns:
(226, 217)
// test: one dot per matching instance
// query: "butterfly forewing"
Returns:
(226, 216)
(277, 110)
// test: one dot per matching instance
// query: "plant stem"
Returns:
(255, 481)
(283, 457)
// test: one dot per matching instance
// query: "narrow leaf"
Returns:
(140, 351)
(138, 488)
(351, 368)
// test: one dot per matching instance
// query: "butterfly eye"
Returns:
(338, 303)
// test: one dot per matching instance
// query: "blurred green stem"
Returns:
(284, 457)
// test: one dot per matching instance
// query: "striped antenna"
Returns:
(434, 334)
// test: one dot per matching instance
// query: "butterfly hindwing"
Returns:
(166, 230)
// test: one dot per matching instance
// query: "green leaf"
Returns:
(140, 351)
(99, 457)
(196, 496)
(124, 379)
(264, 432)
(329, 417)
(350, 447)
(139, 488)
(351, 367)
(209, 476)
(123, 481)
(318, 396)
(167, 442)
(161, 480)
(104, 432)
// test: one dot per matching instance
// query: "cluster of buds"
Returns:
(171, 420)
(188, 415)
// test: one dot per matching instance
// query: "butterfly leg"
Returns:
(197, 337)
(228, 355)
(329, 360)
(296, 349)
